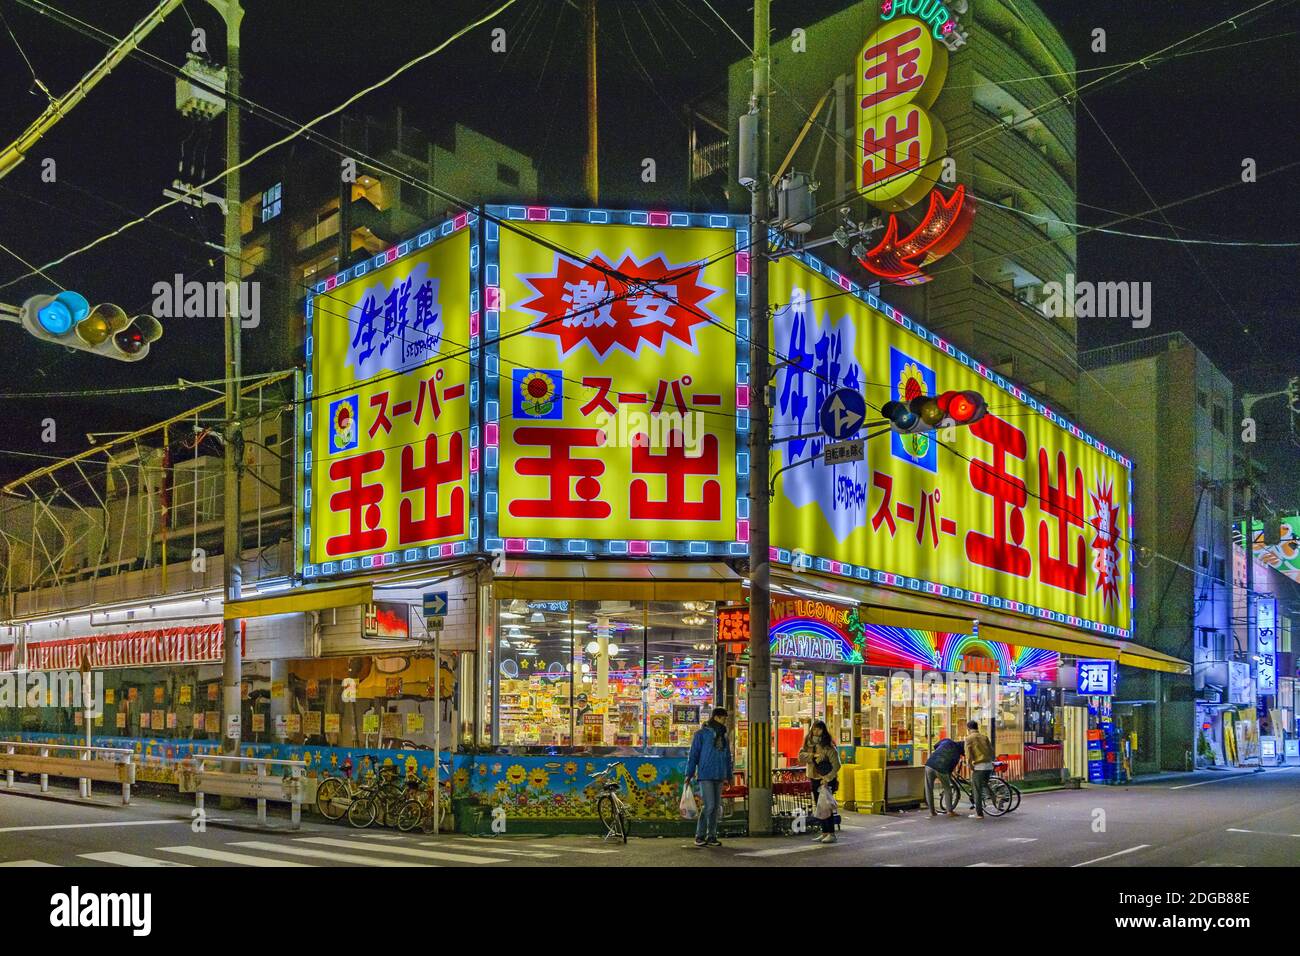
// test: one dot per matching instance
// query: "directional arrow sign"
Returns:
(842, 414)
(435, 604)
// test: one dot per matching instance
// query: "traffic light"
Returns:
(68, 319)
(929, 412)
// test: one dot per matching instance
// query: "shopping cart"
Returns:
(792, 796)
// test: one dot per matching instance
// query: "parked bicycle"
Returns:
(611, 809)
(417, 809)
(337, 795)
(1003, 796)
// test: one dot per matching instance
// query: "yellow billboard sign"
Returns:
(387, 467)
(1021, 511)
(900, 142)
(614, 386)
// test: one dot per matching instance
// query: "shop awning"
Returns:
(307, 599)
(618, 580)
(879, 606)
(1134, 655)
(169, 645)
(1076, 645)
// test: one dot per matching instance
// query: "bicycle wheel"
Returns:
(1015, 793)
(409, 815)
(999, 797)
(332, 798)
(624, 823)
(362, 812)
(607, 812)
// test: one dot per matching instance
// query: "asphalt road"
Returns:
(1204, 819)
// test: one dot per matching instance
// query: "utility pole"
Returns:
(592, 169)
(759, 685)
(232, 14)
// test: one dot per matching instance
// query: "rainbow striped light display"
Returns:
(943, 651)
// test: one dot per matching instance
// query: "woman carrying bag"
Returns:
(822, 758)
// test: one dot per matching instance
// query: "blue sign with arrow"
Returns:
(435, 604)
(842, 414)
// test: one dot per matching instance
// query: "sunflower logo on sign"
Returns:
(538, 393)
(912, 379)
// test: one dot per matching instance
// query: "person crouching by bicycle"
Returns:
(979, 754)
(712, 764)
(822, 758)
(940, 767)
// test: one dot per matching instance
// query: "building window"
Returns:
(271, 202)
(1220, 419)
(1219, 569)
(1202, 399)
(1202, 559)
(507, 174)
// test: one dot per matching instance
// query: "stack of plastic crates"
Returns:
(791, 793)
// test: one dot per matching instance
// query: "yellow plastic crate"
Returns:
(846, 788)
(872, 758)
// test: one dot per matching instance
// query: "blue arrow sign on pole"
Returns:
(842, 414)
(435, 604)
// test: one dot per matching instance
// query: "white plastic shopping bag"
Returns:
(687, 806)
(825, 808)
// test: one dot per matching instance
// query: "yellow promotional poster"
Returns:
(1020, 511)
(616, 383)
(900, 142)
(390, 407)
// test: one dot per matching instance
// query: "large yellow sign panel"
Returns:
(390, 408)
(616, 387)
(1017, 511)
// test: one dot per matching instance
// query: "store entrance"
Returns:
(803, 693)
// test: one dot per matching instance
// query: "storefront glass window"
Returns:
(610, 649)
(535, 657)
(679, 670)
(874, 710)
(900, 713)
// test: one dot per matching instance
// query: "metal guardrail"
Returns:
(85, 768)
(259, 786)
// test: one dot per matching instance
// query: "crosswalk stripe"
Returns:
(27, 863)
(128, 859)
(206, 853)
(384, 836)
(401, 850)
(324, 854)
(783, 850)
(471, 845)
(572, 849)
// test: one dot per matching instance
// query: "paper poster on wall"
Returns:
(171, 720)
(370, 723)
(110, 695)
(311, 723)
(212, 721)
(293, 723)
(414, 722)
(331, 723)
(392, 725)
(185, 695)
(198, 719)
(119, 720)
(281, 725)
(214, 691)
(146, 719)
(259, 723)
(158, 692)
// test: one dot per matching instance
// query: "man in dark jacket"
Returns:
(941, 765)
(711, 761)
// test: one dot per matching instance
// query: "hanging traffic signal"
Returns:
(68, 319)
(929, 412)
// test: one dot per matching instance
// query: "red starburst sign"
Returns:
(1105, 543)
(583, 304)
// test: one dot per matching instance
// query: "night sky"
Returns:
(1183, 125)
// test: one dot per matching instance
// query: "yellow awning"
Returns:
(1082, 645)
(291, 602)
(1134, 655)
(618, 580)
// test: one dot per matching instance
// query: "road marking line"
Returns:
(1263, 832)
(573, 849)
(128, 859)
(87, 826)
(782, 851)
(204, 853)
(27, 863)
(1201, 783)
(324, 854)
(1110, 856)
(468, 844)
(401, 850)
(1022, 839)
(992, 864)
